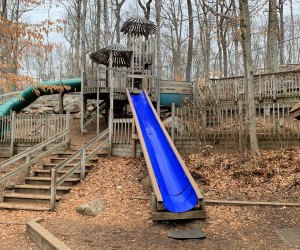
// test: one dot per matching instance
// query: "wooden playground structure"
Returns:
(214, 114)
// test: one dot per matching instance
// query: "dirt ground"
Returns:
(125, 223)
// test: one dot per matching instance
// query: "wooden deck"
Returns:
(267, 87)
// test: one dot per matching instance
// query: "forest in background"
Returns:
(198, 38)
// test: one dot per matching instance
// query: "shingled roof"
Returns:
(121, 55)
(138, 26)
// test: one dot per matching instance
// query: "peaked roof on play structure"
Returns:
(138, 26)
(121, 55)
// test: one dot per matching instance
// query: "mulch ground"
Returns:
(126, 223)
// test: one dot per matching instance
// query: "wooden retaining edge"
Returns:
(238, 203)
(250, 203)
(43, 238)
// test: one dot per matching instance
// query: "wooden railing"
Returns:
(122, 131)
(31, 128)
(266, 86)
(122, 79)
(227, 122)
(62, 139)
(273, 120)
(84, 158)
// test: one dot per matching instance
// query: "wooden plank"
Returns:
(163, 216)
(251, 203)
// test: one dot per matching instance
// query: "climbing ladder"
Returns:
(40, 191)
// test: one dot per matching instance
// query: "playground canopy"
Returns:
(121, 55)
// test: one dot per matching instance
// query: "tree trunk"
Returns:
(106, 23)
(188, 72)
(117, 12)
(292, 33)
(236, 42)
(272, 48)
(248, 71)
(281, 33)
(83, 31)
(98, 25)
(77, 40)
(3, 9)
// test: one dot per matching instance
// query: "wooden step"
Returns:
(60, 173)
(23, 206)
(68, 154)
(40, 189)
(59, 160)
(28, 198)
(48, 166)
(35, 180)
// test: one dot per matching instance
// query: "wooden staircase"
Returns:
(34, 194)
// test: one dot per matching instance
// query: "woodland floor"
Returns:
(126, 222)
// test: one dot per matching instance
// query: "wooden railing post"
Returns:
(28, 159)
(82, 163)
(61, 98)
(13, 133)
(173, 122)
(82, 108)
(67, 127)
(53, 189)
(133, 137)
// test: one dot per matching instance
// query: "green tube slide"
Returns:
(29, 95)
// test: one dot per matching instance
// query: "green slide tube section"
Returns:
(29, 95)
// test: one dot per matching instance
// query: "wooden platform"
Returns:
(159, 213)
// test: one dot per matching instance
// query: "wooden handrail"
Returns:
(30, 163)
(33, 149)
(83, 159)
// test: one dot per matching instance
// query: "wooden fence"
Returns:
(266, 86)
(227, 123)
(31, 128)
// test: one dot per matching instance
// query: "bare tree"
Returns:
(77, 40)
(272, 48)
(83, 31)
(106, 23)
(117, 10)
(98, 24)
(188, 71)
(146, 8)
(248, 71)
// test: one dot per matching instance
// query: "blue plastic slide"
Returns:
(176, 186)
(28, 95)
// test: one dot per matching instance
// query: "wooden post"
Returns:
(82, 163)
(173, 122)
(273, 79)
(98, 109)
(240, 106)
(82, 100)
(28, 159)
(194, 85)
(111, 101)
(61, 98)
(53, 189)
(133, 137)
(68, 116)
(13, 133)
